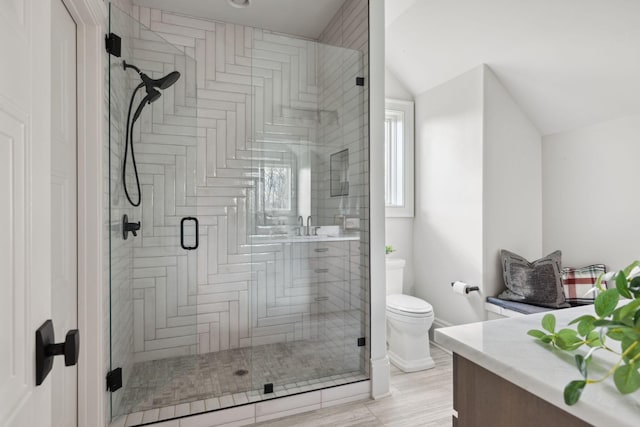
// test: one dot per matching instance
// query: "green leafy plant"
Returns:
(389, 249)
(611, 322)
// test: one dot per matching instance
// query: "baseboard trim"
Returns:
(380, 377)
(435, 344)
(439, 323)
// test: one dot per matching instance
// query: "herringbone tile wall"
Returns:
(246, 97)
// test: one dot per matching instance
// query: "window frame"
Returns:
(407, 110)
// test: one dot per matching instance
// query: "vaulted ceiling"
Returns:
(568, 63)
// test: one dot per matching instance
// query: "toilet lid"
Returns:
(408, 304)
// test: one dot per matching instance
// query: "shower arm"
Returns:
(125, 66)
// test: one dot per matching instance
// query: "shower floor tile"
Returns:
(212, 381)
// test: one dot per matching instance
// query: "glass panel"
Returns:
(276, 290)
(307, 216)
(153, 280)
(343, 310)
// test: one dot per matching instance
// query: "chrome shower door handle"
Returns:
(197, 241)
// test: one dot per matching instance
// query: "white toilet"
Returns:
(408, 322)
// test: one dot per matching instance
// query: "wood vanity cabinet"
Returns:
(484, 399)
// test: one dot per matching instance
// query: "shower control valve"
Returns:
(129, 227)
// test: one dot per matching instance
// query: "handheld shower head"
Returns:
(152, 95)
(151, 86)
(161, 83)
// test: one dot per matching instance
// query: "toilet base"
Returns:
(410, 365)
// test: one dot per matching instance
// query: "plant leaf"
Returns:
(616, 333)
(628, 342)
(621, 285)
(634, 286)
(572, 391)
(537, 333)
(630, 267)
(549, 322)
(593, 339)
(607, 323)
(582, 365)
(581, 318)
(567, 339)
(631, 332)
(627, 378)
(606, 302)
(598, 283)
(586, 325)
(628, 309)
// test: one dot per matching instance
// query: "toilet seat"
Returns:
(407, 305)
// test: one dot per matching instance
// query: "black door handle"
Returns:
(182, 221)
(47, 349)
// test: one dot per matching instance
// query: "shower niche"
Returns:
(242, 284)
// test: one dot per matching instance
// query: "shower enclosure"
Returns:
(248, 277)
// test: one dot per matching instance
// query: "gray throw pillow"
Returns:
(538, 282)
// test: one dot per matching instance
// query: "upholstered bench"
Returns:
(544, 282)
(497, 308)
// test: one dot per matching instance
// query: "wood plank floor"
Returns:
(422, 398)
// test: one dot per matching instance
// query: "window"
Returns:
(398, 158)
(277, 188)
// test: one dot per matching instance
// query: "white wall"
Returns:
(512, 183)
(478, 190)
(591, 207)
(393, 88)
(399, 234)
(448, 222)
(399, 231)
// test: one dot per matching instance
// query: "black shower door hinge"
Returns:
(361, 341)
(114, 380)
(359, 81)
(113, 44)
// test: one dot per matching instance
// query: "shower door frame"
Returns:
(90, 17)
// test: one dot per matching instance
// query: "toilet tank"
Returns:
(394, 277)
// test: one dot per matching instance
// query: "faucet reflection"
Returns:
(308, 230)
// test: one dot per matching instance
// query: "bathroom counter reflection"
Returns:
(257, 240)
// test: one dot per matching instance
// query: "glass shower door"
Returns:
(308, 294)
(153, 271)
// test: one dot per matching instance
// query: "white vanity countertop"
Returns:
(504, 348)
(303, 239)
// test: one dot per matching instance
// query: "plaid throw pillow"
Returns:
(578, 281)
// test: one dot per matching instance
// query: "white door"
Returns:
(63, 206)
(25, 241)
(26, 282)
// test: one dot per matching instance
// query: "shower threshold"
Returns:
(192, 384)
